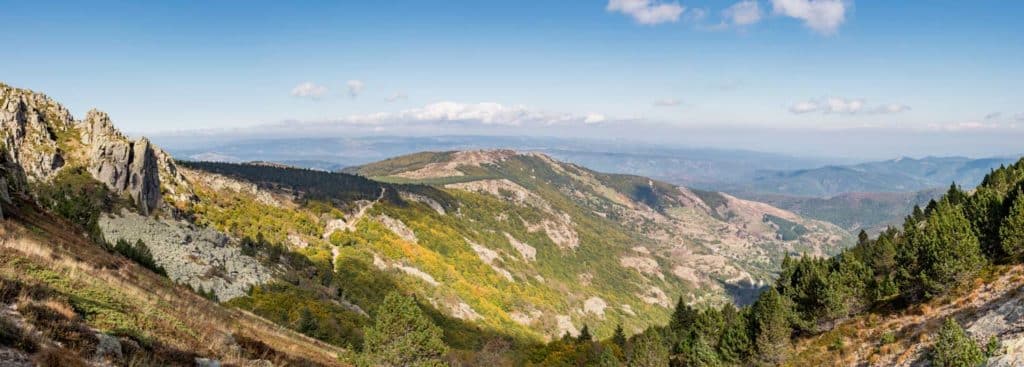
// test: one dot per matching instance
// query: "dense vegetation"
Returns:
(76, 196)
(319, 185)
(936, 251)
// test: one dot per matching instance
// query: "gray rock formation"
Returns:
(29, 128)
(40, 137)
(123, 165)
(200, 257)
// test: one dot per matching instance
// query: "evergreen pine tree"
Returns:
(402, 335)
(649, 350)
(947, 250)
(1011, 232)
(702, 355)
(954, 195)
(607, 358)
(771, 328)
(619, 337)
(307, 322)
(585, 335)
(734, 345)
(986, 212)
(954, 348)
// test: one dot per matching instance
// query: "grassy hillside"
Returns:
(69, 300)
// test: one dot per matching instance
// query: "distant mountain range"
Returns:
(850, 194)
(897, 175)
(684, 166)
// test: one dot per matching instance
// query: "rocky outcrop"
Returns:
(123, 165)
(30, 126)
(5, 196)
(200, 257)
(40, 137)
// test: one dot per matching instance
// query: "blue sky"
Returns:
(642, 69)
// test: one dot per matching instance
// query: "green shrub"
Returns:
(76, 196)
(887, 338)
(139, 253)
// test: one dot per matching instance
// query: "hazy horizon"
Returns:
(832, 78)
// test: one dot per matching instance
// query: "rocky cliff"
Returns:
(40, 137)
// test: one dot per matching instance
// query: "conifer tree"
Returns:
(619, 337)
(402, 335)
(770, 323)
(1011, 232)
(585, 335)
(607, 358)
(702, 355)
(953, 348)
(734, 345)
(947, 250)
(648, 350)
(307, 323)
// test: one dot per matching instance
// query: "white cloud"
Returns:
(743, 13)
(594, 118)
(1019, 117)
(670, 102)
(891, 108)
(845, 106)
(823, 16)
(648, 12)
(474, 113)
(804, 107)
(398, 96)
(993, 115)
(309, 90)
(963, 126)
(355, 87)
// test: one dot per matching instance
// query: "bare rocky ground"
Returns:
(200, 257)
(993, 308)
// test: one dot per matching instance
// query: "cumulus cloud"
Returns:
(309, 90)
(473, 113)
(648, 12)
(845, 106)
(822, 16)
(398, 96)
(355, 87)
(669, 102)
(993, 116)
(742, 13)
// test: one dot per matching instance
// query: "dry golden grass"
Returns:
(170, 314)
